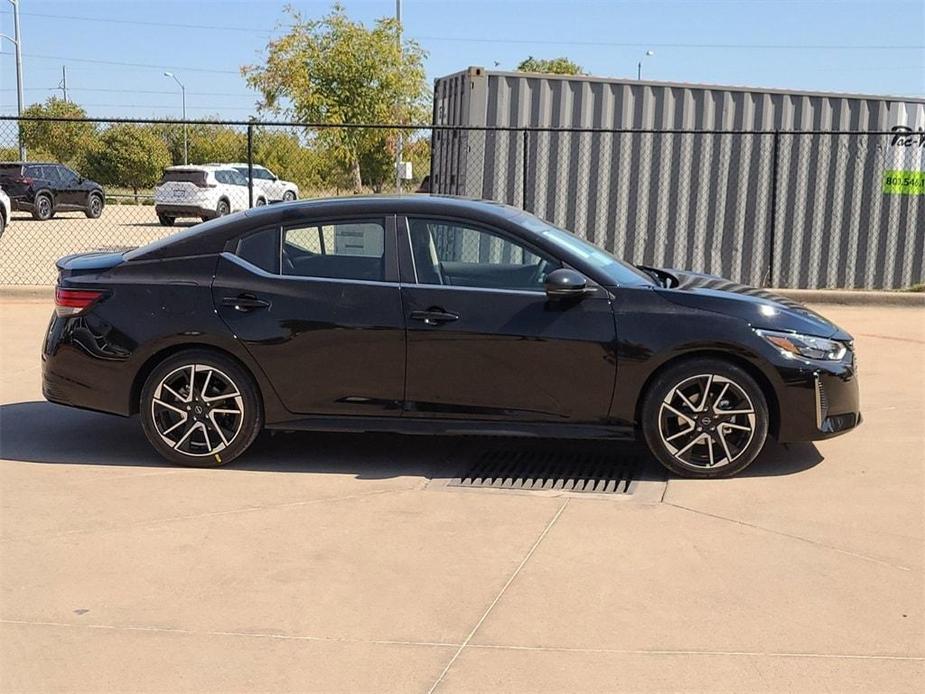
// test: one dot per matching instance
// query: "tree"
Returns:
(132, 156)
(64, 141)
(336, 71)
(551, 66)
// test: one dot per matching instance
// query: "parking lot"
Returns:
(347, 563)
(29, 248)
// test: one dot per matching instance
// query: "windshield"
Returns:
(619, 272)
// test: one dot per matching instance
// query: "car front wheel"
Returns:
(94, 206)
(705, 418)
(200, 408)
(222, 208)
(289, 196)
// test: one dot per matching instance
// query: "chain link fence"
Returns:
(785, 209)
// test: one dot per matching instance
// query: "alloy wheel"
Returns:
(44, 204)
(288, 196)
(707, 421)
(197, 410)
(96, 205)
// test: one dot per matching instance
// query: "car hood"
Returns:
(759, 307)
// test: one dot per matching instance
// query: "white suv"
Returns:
(207, 191)
(269, 183)
(4, 211)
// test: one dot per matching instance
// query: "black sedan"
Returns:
(436, 315)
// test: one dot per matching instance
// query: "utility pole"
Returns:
(63, 84)
(398, 138)
(16, 40)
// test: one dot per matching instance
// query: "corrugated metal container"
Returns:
(803, 208)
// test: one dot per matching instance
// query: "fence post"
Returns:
(250, 165)
(526, 159)
(773, 235)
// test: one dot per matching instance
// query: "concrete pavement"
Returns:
(331, 563)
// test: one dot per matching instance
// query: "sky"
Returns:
(116, 52)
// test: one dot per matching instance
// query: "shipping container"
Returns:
(765, 186)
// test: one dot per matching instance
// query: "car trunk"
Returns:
(71, 266)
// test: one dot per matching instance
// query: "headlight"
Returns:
(806, 346)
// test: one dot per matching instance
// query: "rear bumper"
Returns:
(172, 210)
(78, 368)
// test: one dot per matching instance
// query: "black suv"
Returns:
(46, 188)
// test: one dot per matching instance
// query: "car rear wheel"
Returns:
(200, 408)
(260, 202)
(43, 207)
(2, 223)
(705, 418)
(289, 196)
(222, 208)
(166, 220)
(94, 206)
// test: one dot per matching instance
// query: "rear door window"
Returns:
(340, 250)
(261, 249)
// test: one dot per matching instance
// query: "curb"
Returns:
(27, 292)
(849, 297)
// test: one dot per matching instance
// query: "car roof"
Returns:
(31, 163)
(198, 167)
(212, 236)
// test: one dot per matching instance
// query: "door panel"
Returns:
(329, 346)
(485, 342)
(509, 355)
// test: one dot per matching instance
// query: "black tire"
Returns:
(261, 202)
(213, 438)
(95, 204)
(43, 208)
(222, 208)
(2, 223)
(289, 196)
(165, 220)
(674, 415)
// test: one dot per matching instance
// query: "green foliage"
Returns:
(337, 71)
(63, 142)
(550, 66)
(284, 154)
(133, 156)
(417, 151)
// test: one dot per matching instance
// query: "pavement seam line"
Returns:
(239, 634)
(439, 644)
(857, 555)
(211, 514)
(663, 651)
(498, 597)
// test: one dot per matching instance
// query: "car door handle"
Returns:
(434, 316)
(245, 302)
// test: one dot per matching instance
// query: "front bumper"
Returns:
(817, 400)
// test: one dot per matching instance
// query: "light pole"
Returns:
(639, 65)
(183, 98)
(399, 134)
(16, 40)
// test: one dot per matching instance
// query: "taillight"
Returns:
(71, 302)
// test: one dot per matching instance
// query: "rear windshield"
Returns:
(10, 169)
(196, 177)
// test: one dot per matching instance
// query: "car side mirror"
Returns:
(566, 284)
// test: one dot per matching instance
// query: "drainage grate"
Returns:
(567, 469)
